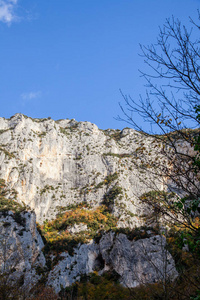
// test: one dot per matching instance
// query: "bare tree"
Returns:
(173, 61)
(171, 106)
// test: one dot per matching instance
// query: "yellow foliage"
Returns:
(56, 231)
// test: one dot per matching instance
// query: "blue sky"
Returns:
(69, 58)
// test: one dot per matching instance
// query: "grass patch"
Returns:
(123, 155)
(7, 153)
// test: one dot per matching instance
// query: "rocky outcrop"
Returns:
(50, 167)
(20, 249)
(53, 164)
(70, 268)
(136, 262)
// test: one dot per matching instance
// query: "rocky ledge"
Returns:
(138, 261)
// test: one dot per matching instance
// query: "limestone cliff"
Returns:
(137, 261)
(52, 164)
(20, 250)
(75, 172)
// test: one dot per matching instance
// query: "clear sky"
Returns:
(69, 58)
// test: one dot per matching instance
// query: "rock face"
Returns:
(145, 260)
(70, 268)
(53, 164)
(20, 248)
(136, 262)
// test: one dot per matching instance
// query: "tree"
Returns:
(174, 60)
(172, 108)
(172, 105)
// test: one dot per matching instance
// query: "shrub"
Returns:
(58, 237)
(109, 198)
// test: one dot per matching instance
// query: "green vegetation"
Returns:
(60, 239)
(137, 233)
(69, 129)
(7, 153)
(64, 131)
(111, 195)
(97, 287)
(182, 211)
(99, 185)
(78, 156)
(73, 127)
(113, 134)
(42, 134)
(46, 189)
(176, 134)
(123, 155)
(107, 287)
(6, 203)
(108, 180)
(116, 135)
(4, 130)
(37, 120)
(62, 209)
(158, 197)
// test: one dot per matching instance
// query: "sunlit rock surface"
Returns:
(53, 164)
(136, 262)
(20, 248)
